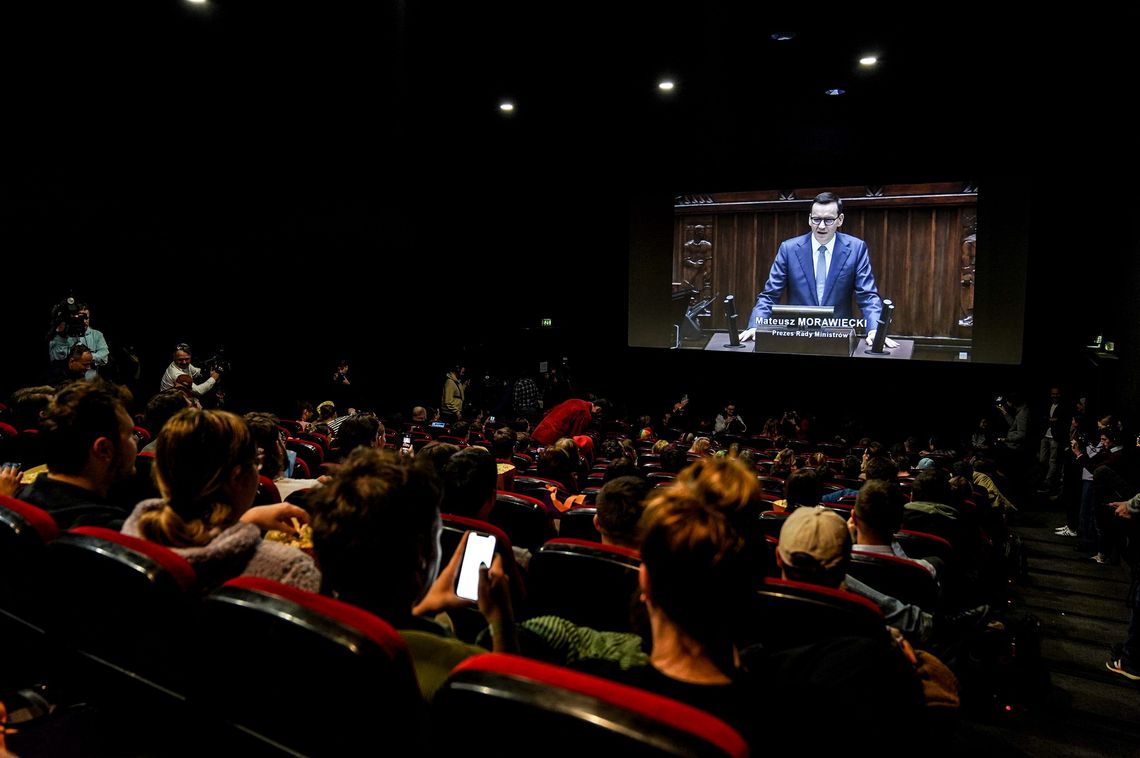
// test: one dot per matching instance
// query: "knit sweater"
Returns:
(238, 550)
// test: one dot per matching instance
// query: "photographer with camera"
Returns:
(70, 327)
(181, 367)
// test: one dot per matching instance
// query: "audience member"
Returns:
(88, 443)
(376, 533)
(620, 503)
(206, 466)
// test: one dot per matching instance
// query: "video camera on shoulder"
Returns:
(66, 312)
(217, 362)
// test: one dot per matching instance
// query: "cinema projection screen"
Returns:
(920, 259)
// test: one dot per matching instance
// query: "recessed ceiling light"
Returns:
(834, 91)
(783, 36)
(868, 60)
(665, 85)
(507, 107)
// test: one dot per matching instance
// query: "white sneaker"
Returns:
(1066, 532)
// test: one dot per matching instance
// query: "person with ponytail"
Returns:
(206, 467)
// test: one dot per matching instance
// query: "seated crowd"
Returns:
(711, 518)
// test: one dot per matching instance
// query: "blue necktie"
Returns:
(820, 274)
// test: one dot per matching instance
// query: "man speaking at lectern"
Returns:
(822, 267)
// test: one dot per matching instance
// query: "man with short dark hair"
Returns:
(160, 409)
(822, 267)
(89, 444)
(469, 479)
(359, 430)
(620, 504)
(877, 515)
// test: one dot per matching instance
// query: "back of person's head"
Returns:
(931, 486)
(198, 455)
(554, 463)
(674, 459)
(568, 445)
(604, 407)
(879, 508)
(359, 430)
(78, 415)
(620, 504)
(326, 410)
(266, 429)
(874, 450)
(961, 490)
(697, 567)
(419, 413)
(963, 469)
(814, 547)
(803, 487)
(700, 445)
(882, 469)
(469, 479)
(28, 405)
(503, 443)
(620, 467)
(162, 407)
(733, 489)
(435, 455)
(522, 442)
(611, 449)
(376, 532)
(659, 447)
(723, 484)
(852, 466)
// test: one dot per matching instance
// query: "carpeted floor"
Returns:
(1080, 604)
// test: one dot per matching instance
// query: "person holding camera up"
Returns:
(727, 422)
(180, 367)
(71, 326)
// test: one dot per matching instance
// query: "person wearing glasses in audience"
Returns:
(59, 348)
(822, 267)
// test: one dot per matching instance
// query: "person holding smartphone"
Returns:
(376, 530)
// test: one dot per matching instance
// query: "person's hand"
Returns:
(9, 479)
(324, 478)
(1121, 509)
(888, 342)
(61, 327)
(215, 375)
(278, 516)
(495, 593)
(747, 335)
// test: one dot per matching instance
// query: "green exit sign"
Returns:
(548, 322)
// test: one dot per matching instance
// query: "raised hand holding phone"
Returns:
(479, 551)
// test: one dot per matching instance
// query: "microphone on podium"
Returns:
(730, 314)
(885, 319)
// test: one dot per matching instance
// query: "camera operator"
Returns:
(181, 366)
(727, 422)
(70, 327)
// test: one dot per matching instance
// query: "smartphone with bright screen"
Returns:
(479, 551)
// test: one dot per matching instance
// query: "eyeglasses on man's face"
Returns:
(817, 220)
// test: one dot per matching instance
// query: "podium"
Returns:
(792, 345)
(827, 340)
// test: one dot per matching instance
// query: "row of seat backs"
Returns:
(292, 669)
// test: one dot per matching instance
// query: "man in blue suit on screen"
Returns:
(822, 267)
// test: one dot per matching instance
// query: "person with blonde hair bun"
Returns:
(206, 467)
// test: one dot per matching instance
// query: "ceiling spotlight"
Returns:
(834, 92)
(665, 86)
(506, 106)
(868, 60)
(196, 2)
(783, 36)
